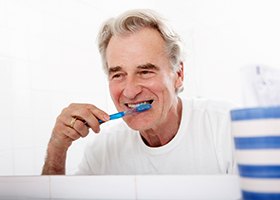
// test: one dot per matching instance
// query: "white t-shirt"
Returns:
(203, 145)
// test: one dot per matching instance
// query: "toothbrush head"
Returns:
(139, 108)
(143, 107)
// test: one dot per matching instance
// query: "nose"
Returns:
(132, 88)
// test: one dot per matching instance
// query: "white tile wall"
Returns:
(7, 160)
(49, 59)
(24, 159)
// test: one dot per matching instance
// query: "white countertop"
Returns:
(198, 187)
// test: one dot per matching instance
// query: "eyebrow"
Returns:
(114, 69)
(146, 66)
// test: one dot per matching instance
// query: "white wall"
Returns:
(49, 58)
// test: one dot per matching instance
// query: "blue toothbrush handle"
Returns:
(114, 116)
(138, 109)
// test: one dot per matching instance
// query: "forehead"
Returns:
(144, 46)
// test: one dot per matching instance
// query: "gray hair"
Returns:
(135, 20)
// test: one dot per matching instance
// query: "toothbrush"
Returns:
(137, 109)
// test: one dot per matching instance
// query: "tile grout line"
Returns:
(135, 186)
(50, 190)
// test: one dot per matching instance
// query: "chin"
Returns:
(138, 125)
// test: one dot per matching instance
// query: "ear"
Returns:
(180, 76)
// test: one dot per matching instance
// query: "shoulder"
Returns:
(210, 106)
(208, 114)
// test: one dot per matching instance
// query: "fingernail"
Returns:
(106, 117)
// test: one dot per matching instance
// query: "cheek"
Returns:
(161, 87)
(114, 92)
(165, 84)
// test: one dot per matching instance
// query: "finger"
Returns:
(84, 112)
(81, 128)
(83, 123)
(60, 136)
(99, 115)
(84, 108)
(64, 131)
(90, 115)
(71, 133)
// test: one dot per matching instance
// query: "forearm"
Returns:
(55, 161)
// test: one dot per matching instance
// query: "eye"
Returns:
(146, 73)
(117, 76)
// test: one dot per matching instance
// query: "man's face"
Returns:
(140, 72)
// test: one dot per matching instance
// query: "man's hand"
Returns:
(73, 122)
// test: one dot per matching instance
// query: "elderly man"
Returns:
(143, 59)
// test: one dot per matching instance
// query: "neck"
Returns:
(164, 132)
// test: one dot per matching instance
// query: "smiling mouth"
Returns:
(133, 105)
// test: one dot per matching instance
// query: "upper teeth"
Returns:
(130, 105)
